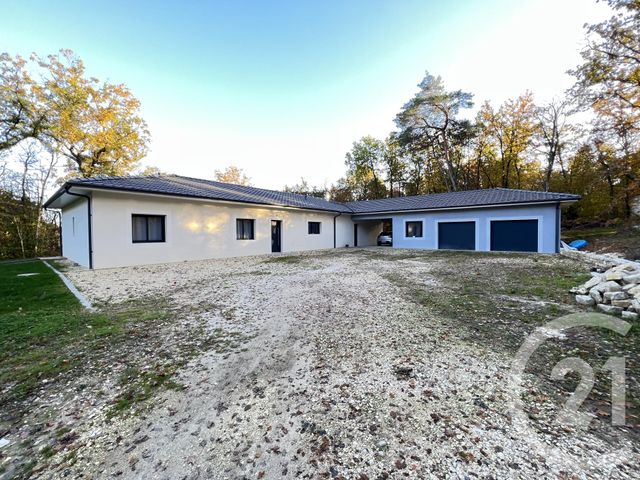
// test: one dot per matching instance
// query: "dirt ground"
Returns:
(623, 241)
(338, 364)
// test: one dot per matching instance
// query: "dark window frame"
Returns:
(310, 230)
(240, 229)
(416, 222)
(146, 217)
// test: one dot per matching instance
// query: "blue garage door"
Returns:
(514, 235)
(457, 235)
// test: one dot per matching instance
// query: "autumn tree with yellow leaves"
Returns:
(232, 174)
(95, 125)
(51, 111)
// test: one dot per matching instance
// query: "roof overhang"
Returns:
(382, 213)
(61, 198)
(64, 196)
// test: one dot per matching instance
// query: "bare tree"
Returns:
(554, 132)
(29, 181)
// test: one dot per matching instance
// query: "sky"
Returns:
(282, 89)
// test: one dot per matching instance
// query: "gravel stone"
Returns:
(339, 374)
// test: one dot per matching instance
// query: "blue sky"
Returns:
(282, 89)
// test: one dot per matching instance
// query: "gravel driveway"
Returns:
(338, 374)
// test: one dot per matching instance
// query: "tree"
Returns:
(611, 68)
(95, 125)
(587, 178)
(22, 114)
(616, 137)
(609, 82)
(482, 158)
(28, 230)
(364, 163)
(233, 175)
(150, 171)
(394, 166)
(303, 188)
(511, 129)
(342, 191)
(428, 121)
(414, 183)
(554, 131)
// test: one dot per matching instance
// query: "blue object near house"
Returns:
(578, 244)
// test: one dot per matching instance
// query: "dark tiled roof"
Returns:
(469, 198)
(175, 185)
(196, 188)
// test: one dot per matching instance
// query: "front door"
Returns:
(355, 234)
(276, 236)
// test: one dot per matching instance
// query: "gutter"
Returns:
(334, 228)
(89, 221)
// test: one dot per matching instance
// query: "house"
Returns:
(122, 221)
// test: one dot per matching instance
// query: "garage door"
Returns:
(457, 235)
(514, 235)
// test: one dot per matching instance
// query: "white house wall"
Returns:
(75, 232)
(545, 214)
(344, 231)
(198, 230)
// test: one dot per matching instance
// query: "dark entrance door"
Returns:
(457, 235)
(276, 236)
(355, 234)
(514, 235)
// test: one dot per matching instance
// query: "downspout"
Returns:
(89, 219)
(334, 228)
(558, 227)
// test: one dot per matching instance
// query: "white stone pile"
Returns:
(616, 291)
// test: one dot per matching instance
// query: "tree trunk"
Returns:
(447, 157)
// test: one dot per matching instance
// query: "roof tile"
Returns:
(208, 189)
(468, 198)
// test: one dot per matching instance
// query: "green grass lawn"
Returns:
(46, 337)
(45, 332)
(37, 316)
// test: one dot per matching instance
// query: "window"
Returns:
(148, 228)
(244, 229)
(413, 229)
(314, 228)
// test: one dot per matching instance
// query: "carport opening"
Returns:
(368, 233)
